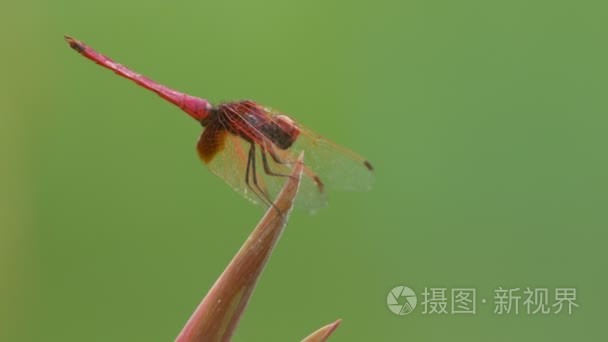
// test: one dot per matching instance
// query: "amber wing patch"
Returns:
(211, 142)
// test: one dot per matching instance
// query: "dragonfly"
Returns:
(253, 147)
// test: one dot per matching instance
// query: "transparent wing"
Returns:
(328, 167)
(260, 174)
(337, 166)
(226, 156)
(261, 180)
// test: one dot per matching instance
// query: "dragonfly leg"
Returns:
(248, 170)
(307, 171)
(275, 156)
(267, 167)
(250, 173)
(254, 173)
(251, 170)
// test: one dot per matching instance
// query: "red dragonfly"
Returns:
(253, 147)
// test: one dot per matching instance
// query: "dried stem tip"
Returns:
(218, 314)
(323, 334)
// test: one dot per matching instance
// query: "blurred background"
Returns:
(486, 122)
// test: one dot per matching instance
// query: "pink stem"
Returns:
(197, 108)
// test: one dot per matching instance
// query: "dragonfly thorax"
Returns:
(255, 123)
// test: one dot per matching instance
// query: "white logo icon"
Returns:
(401, 300)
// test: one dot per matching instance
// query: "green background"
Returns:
(486, 122)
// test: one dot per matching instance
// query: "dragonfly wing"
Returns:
(312, 194)
(227, 156)
(337, 166)
(327, 166)
(273, 163)
(257, 166)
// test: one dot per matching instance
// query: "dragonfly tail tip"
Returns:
(74, 44)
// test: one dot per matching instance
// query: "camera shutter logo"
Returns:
(401, 300)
